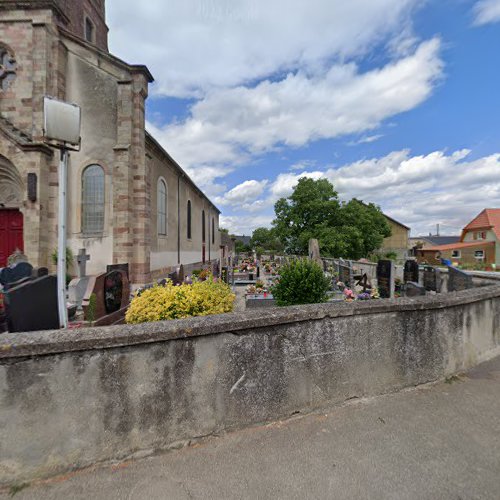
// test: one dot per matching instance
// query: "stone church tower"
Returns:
(128, 201)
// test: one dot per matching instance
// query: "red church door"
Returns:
(11, 234)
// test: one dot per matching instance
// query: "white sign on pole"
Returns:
(62, 121)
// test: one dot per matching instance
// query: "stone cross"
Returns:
(82, 259)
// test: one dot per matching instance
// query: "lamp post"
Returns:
(62, 123)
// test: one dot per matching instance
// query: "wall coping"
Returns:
(21, 345)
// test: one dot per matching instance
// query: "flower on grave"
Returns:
(364, 296)
(349, 294)
(375, 294)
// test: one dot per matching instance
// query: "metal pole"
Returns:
(61, 241)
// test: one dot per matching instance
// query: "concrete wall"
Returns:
(71, 399)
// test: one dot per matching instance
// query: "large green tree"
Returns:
(350, 229)
(267, 240)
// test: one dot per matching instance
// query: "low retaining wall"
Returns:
(72, 398)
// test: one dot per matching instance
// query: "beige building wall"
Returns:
(175, 247)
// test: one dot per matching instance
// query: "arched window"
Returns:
(93, 200)
(162, 207)
(189, 220)
(213, 230)
(203, 231)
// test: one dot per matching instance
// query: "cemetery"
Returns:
(186, 366)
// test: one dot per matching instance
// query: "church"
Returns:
(129, 202)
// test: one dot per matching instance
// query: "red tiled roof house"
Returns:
(479, 243)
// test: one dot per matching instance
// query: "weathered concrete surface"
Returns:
(71, 399)
(433, 442)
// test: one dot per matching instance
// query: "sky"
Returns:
(396, 102)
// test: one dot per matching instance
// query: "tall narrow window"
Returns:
(93, 200)
(189, 220)
(213, 230)
(89, 30)
(162, 207)
(203, 238)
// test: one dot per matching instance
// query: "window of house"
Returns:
(93, 200)
(162, 207)
(456, 254)
(213, 230)
(203, 229)
(89, 30)
(479, 254)
(189, 220)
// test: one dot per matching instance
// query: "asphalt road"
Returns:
(435, 442)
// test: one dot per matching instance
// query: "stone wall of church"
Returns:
(30, 37)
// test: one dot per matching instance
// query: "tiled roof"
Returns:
(457, 246)
(489, 218)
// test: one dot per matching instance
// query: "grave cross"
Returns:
(82, 259)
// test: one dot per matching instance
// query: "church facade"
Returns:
(128, 200)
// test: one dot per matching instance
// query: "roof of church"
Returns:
(489, 218)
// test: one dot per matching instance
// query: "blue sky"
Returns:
(394, 101)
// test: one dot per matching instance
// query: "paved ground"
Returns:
(434, 442)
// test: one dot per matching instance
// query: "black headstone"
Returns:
(113, 292)
(118, 267)
(414, 289)
(411, 271)
(39, 272)
(11, 275)
(33, 306)
(432, 279)
(458, 280)
(385, 279)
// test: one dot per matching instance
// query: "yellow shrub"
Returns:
(175, 302)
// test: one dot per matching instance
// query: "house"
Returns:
(129, 201)
(397, 243)
(419, 242)
(479, 243)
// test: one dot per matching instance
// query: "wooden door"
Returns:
(11, 234)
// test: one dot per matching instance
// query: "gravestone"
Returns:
(314, 253)
(112, 296)
(346, 274)
(411, 271)
(14, 275)
(413, 289)
(385, 279)
(432, 279)
(78, 286)
(33, 306)
(180, 274)
(81, 259)
(39, 272)
(458, 280)
(118, 267)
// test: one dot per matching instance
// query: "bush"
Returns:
(301, 282)
(174, 302)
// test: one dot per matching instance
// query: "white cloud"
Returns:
(487, 11)
(192, 46)
(243, 193)
(229, 127)
(245, 224)
(367, 139)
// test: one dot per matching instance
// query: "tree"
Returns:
(266, 240)
(350, 229)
